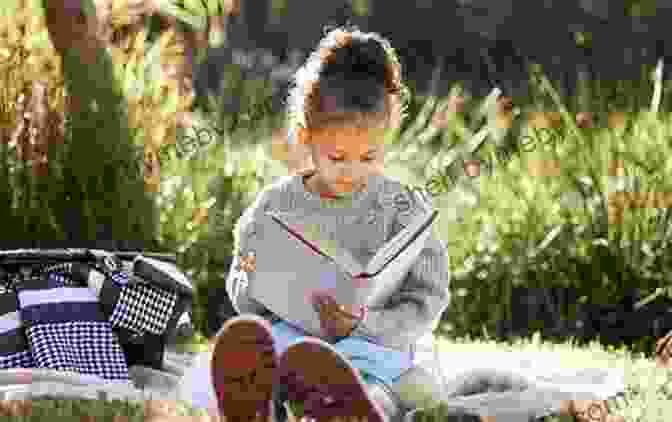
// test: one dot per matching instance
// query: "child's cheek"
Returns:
(327, 149)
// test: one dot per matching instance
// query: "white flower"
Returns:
(469, 263)
(601, 241)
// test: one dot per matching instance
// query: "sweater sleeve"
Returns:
(416, 307)
(244, 235)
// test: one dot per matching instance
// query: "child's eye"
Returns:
(367, 159)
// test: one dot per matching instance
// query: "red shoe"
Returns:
(315, 374)
(243, 369)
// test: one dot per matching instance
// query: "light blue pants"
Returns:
(374, 361)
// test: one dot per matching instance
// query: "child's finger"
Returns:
(349, 312)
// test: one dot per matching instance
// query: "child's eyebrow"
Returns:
(342, 151)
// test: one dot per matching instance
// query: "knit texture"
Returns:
(362, 224)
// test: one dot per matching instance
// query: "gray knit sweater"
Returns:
(362, 224)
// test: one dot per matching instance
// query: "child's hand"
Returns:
(247, 263)
(336, 320)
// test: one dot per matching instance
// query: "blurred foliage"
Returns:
(51, 188)
(542, 219)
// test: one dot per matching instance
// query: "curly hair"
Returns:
(351, 77)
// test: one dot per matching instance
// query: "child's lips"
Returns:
(341, 186)
(344, 187)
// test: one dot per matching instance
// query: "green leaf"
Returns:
(198, 21)
(214, 7)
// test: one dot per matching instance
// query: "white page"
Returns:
(298, 223)
(393, 274)
(421, 223)
(287, 272)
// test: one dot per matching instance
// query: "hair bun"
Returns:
(362, 93)
(361, 59)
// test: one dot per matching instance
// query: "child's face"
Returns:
(345, 157)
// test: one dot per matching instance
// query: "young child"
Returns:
(348, 93)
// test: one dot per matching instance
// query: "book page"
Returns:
(288, 273)
(300, 226)
(393, 274)
(419, 224)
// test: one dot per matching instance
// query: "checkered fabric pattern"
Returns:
(120, 278)
(14, 350)
(67, 330)
(144, 308)
(85, 347)
(17, 360)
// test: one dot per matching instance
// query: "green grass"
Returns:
(648, 394)
(648, 389)
(52, 409)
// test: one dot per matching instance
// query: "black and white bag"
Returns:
(144, 300)
(66, 328)
(14, 350)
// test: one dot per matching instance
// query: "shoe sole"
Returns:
(311, 367)
(243, 366)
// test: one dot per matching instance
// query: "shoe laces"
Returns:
(323, 404)
(320, 401)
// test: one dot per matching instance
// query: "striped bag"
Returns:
(66, 329)
(143, 300)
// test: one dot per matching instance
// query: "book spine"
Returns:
(301, 238)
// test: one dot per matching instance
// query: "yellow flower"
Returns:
(504, 113)
(617, 119)
(200, 216)
(544, 119)
(545, 167)
(279, 149)
(616, 168)
(504, 120)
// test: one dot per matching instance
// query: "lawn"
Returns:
(647, 396)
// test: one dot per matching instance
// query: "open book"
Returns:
(291, 265)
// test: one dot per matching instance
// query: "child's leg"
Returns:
(502, 395)
(320, 377)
